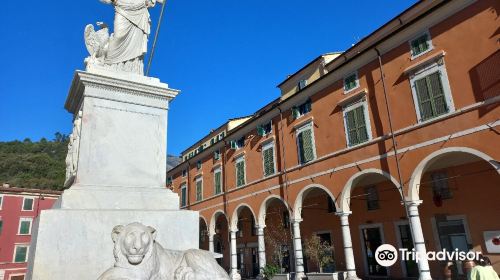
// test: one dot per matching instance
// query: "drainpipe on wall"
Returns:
(285, 174)
(283, 152)
(224, 186)
(188, 185)
(412, 214)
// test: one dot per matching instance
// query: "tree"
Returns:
(30, 164)
(318, 251)
(278, 241)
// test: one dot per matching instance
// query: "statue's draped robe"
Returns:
(131, 31)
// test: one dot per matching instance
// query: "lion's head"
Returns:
(134, 242)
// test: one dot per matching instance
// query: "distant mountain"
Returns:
(40, 165)
(172, 161)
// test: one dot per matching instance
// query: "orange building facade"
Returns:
(394, 141)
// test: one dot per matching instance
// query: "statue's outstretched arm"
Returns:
(107, 1)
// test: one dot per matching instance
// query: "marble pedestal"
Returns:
(76, 244)
(117, 176)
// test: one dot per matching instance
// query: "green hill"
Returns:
(30, 164)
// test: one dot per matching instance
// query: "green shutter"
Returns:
(260, 130)
(20, 254)
(419, 45)
(240, 173)
(25, 227)
(295, 112)
(199, 190)
(350, 82)
(430, 95)
(218, 182)
(183, 196)
(233, 145)
(306, 146)
(436, 89)
(269, 161)
(352, 134)
(1, 226)
(357, 131)
(28, 204)
(361, 128)
(424, 99)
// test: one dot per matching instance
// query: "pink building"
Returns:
(19, 207)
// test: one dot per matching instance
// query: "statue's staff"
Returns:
(156, 37)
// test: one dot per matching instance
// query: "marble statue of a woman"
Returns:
(123, 50)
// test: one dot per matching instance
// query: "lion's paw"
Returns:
(184, 273)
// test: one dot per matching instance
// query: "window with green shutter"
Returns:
(264, 129)
(218, 181)
(356, 129)
(420, 45)
(28, 204)
(21, 254)
(302, 109)
(217, 154)
(268, 159)
(305, 144)
(1, 226)
(240, 172)
(351, 82)
(24, 226)
(183, 195)
(431, 97)
(199, 190)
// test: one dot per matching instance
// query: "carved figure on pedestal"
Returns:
(139, 257)
(73, 149)
(123, 50)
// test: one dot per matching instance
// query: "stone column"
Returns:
(261, 248)
(348, 253)
(297, 245)
(418, 238)
(211, 242)
(234, 275)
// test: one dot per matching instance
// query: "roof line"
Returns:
(346, 59)
(307, 65)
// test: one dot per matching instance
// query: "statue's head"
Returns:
(133, 242)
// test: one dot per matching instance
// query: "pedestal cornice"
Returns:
(133, 88)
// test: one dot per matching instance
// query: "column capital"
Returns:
(260, 226)
(412, 202)
(343, 213)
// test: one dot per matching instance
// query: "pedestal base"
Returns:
(130, 198)
(76, 244)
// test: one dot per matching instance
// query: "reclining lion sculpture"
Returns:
(139, 257)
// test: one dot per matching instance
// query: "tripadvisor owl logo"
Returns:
(386, 255)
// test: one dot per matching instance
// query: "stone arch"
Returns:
(263, 208)
(234, 218)
(204, 220)
(297, 209)
(213, 220)
(413, 193)
(356, 178)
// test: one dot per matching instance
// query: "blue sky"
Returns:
(225, 56)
